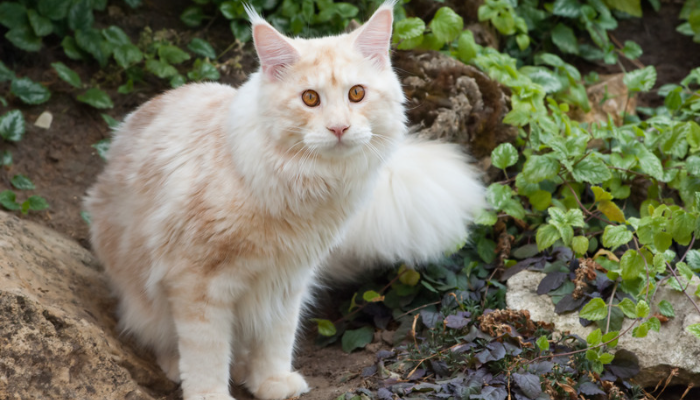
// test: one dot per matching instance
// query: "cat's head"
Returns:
(334, 96)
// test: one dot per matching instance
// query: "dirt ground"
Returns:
(62, 163)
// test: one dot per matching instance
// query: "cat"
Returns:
(426, 196)
(217, 206)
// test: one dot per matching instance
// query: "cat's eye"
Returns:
(356, 93)
(310, 98)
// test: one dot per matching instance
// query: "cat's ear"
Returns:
(374, 37)
(274, 50)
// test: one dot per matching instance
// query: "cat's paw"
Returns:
(283, 386)
(169, 363)
(210, 396)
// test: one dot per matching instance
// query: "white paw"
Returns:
(211, 396)
(283, 386)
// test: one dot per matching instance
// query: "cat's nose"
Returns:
(338, 130)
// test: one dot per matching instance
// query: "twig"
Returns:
(612, 297)
(360, 308)
(681, 285)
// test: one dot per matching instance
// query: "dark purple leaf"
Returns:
(498, 351)
(529, 250)
(417, 374)
(427, 387)
(369, 371)
(573, 265)
(440, 368)
(552, 281)
(541, 368)
(382, 322)
(625, 365)
(602, 282)
(608, 376)
(529, 384)
(568, 303)
(384, 394)
(430, 318)
(590, 389)
(463, 348)
(491, 393)
(512, 349)
(456, 322)
(562, 253)
(484, 356)
(382, 354)
(523, 265)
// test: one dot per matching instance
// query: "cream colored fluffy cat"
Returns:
(218, 206)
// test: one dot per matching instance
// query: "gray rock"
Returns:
(658, 352)
(57, 336)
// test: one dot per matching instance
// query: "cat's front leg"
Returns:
(270, 374)
(204, 332)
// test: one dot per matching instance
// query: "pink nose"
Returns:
(338, 130)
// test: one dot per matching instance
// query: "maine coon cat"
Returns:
(217, 205)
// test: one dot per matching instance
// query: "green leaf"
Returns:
(160, 68)
(371, 296)
(35, 203)
(694, 329)
(111, 122)
(666, 309)
(592, 355)
(192, 16)
(523, 41)
(565, 39)
(172, 54)
(631, 50)
(6, 74)
(8, 200)
(662, 241)
(241, 30)
(547, 235)
(467, 49)
(325, 327)
(542, 343)
(693, 165)
(542, 76)
(80, 16)
(29, 91)
(357, 339)
(567, 8)
(23, 37)
(13, 15)
(5, 158)
(654, 324)
(486, 248)
(648, 162)
(54, 9)
(684, 270)
(594, 338)
(21, 182)
(484, 217)
(642, 309)
(631, 7)
(67, 74)
(504, 156)
(446, 25)
(606, 358)
(42, 26)
(409, 277)
(102, 146)
(408, 28)
(539, 168)
(640, 331)
(595, 310)
(133, 3)
(616, 236)
(127, 55)
(96, 98)
(632, 264)
(126, 88)
(202, 47)
(12, 126)
(591, 170)
(177, 81)
(628, 308)
(116, 36)
(640, 80)
(579, 244)
(70, 47)
(540, 199)
(610, 336)
(682, 226)
(203, 70)
(91, 41)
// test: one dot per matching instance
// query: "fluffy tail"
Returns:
(425, 197)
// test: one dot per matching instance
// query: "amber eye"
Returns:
(356, 93)
(310, 98)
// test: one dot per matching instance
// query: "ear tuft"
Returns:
(274, 50)
(374, 36)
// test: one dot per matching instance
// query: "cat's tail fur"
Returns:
(425, 197)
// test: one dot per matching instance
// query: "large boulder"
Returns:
(658, 353)
(57, 326)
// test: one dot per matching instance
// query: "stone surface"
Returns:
(57, 336)
(658, 353)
